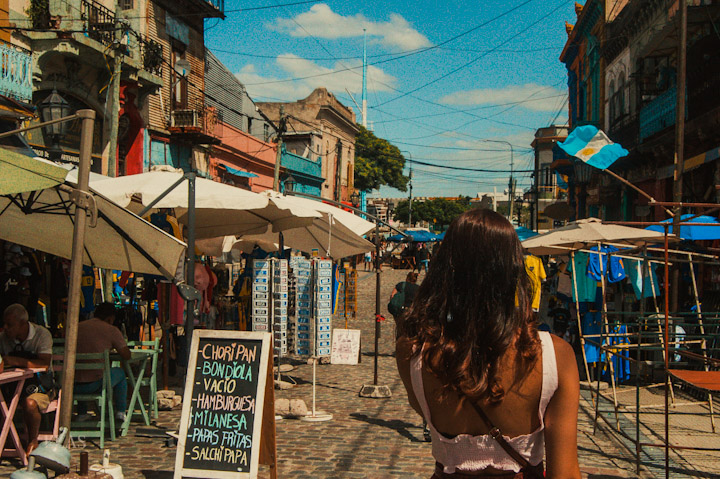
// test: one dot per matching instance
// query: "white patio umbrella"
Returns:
(336, 234)
(115, 239)
(588, 232)
(220, 209)
(226, 244)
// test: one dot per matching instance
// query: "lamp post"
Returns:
(53, 108)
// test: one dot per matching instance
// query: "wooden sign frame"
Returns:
(263, 432)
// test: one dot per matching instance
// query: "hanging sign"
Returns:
(226, 392)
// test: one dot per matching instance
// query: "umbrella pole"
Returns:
(71, 326)
(579, 322)
(375, 390)
(190, 275)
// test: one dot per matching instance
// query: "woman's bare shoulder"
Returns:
(565, 359)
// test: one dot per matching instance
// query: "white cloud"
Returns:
(321, 22)
(313, 76)
(533, 97)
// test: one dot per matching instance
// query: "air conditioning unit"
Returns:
(185, 119)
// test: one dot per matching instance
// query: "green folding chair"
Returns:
(103, 399)
(150, 381)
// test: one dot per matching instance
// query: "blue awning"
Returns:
(236, 172)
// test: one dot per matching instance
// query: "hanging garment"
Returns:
(599, 264)
(592, 325)
(620, 356)
(536, 271)
(586, 285)
(633, 267)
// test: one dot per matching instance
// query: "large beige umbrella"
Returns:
(588, 232)
(335, 234)
(115, 238)
(220, 209)
(19, 173)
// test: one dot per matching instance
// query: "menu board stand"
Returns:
(227, 425)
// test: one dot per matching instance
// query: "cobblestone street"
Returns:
(367, 438)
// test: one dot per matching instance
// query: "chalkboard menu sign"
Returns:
(221, 421)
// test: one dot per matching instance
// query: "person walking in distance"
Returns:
(422, 257)
(476, 368)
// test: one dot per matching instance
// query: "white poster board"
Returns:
(345, 346)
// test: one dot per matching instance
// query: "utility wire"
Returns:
(476, 59)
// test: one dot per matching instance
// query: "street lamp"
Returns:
(289, 184)
(355, 199)
(53, 108)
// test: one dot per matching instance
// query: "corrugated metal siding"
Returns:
(223, 87)
(159, 111)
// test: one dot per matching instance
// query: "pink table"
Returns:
(8, 412)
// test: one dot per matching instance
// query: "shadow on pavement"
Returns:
(396, 425)
(157, 474)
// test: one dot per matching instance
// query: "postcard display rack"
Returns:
(312, 328)
(270, 301)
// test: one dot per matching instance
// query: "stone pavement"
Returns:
(367, 438)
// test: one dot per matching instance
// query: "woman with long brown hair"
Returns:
(477, 370)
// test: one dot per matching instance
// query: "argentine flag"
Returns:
(592, 146)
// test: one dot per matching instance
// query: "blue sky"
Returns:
(435, 96)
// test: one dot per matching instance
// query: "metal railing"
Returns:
(658, 114)
(151, 55)
(99, 21)
(15, 73)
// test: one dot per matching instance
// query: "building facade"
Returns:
(243, 156)
(549, 186)
(638, 95)
(320, 128)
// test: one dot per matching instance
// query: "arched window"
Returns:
(621, 95)
(611, 96)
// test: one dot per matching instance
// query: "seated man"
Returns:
(97, 335)
(27, 345)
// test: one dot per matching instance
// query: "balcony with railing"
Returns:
(199, 124)
(98, 20)
(16, 73)
(658, 114)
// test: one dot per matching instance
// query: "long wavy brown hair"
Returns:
(473, 305)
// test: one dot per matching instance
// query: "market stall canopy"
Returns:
(693, 232)
(588, 232)
(416, 236)
(220, 209)
(524, 233)
(336, 234)
(20, 173)
(115, 238)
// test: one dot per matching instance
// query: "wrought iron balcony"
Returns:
(16, 74)
(99, 21)
(151, 55)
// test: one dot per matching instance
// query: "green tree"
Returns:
(439, 212)
(378, 162)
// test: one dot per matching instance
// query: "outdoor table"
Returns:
(140, 357)
(15, 375)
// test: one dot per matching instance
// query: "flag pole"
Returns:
(626, 182)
